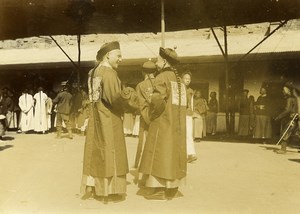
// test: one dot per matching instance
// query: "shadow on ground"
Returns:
(295, 160)
(7, 138)
(5, 147)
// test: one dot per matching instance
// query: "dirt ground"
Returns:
(41, 174)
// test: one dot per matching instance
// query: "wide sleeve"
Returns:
(159, 98)
(111, 89)
(21, 104)
(143, 104)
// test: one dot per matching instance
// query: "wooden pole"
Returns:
(227, 100)
(163, 27)
(79, 58)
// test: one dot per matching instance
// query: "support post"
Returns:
(163, 27)
(79, 58)
(227, 100)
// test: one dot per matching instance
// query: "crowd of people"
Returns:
(256, 117)
(41, 113)
(163, 111)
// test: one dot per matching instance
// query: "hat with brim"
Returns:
(169, 54)
(105, 48)
(149, 67)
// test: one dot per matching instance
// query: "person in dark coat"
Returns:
(262, 127)
(3, 112)
(246, 114)
(211, 119)
(105, 163)
(290, 111)
(144, 91)
(63, 100)
(164, 159)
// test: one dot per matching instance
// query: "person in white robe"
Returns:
(26, 103)
(40, 111)
(49, 106)
(191, 152)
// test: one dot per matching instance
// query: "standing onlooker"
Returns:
(3, 111)
(128, 123)
(144, 91)
(191, 152)
(49, 106)
(290, 111)
(105, 163)
(40, 111)
(213, 107)
(200, 112)
(64, 104)
(11, 115)
(136, 124)
(164, 161)
(245, 105)
(82, 115)
(26, 103)
(262, 127)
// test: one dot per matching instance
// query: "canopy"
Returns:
(26, 18)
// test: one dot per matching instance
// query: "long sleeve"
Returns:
(159, 98)
(290, 107)
(111, 88)
(144, 100)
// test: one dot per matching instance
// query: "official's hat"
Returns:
(105, 48)
(169, 54)
(186, 72)
(149, 67)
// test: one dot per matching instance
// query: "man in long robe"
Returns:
(105, 163)
(164, 160)
(144, 91)
(11, 115)
(191, 152)
(40, 111)
(246, 108)
(200, 111)
(26, 103)
(211, 119)
(263, 128)
(3, 111)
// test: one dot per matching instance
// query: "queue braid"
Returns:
(178, 80)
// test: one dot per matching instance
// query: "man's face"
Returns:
(186, 79)
(245, 93)
(286, 91)
(114, 58)
(198, 94)
(160, 63)
(263, 91)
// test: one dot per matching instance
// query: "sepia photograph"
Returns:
(149, 106)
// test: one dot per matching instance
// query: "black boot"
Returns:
(283, 147)
(158, 194)
(173, 193)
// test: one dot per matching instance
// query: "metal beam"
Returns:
(74, 64)
(218, 42)
(283, 23)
